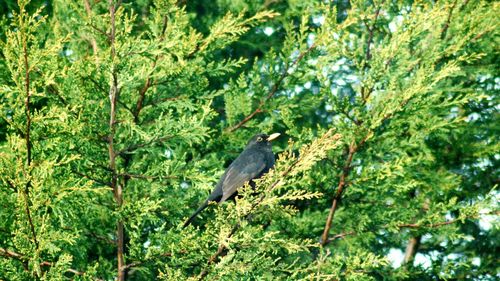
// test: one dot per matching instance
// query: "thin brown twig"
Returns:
(431, 225)
(481, 34)
(341, 235)
(371, 29)
(448, 20)
(366, 94)
(11, 254)
(11, 185)
(136, 176)
(401, 226)
(71, 270)
(411, 249)
(94, 235)
(142, 94)
(353, 120)
(108, 36)
(117, 188)
(28, 141)
(134, 147)
(27, 106)
(105, 92)
(92, 178)
(93, 42)
(413, 244)
(138, 263)
(353, 148)
(148, 83)
(52, 89)
(340, 188)
(218, 253)
(158, 101)
(268, 3)
(102, 238)
(273, 90)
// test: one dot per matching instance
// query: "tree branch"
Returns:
(138, 263)
(14, 255)
(92, 178)
(102, 238)
(368, 55)
(148, 83)
(11, 185)
(27, 107)
(414, 242)
(411, 249)
(340, 188)
(105, 92)
(108, 36)
(273, 91)
(28, 140)
(53, 89)
(400, 226)
(353, 120)
(136, 176)
(11, 254)
(113, 96)
(133, 147)
(219, 251)
(448, 20)
(353, 148)
(93, 42)
(158, 101)
(340, 236)
(366, 94)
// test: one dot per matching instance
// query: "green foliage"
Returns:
(117, 119)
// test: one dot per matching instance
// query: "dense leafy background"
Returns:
(118, 117)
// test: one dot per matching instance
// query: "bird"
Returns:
(256, 159)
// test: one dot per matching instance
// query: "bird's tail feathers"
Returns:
(191, 218)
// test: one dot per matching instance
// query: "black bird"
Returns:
(252, 163)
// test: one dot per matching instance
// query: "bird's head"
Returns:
(262, 140)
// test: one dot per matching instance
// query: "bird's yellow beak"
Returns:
(273, 136)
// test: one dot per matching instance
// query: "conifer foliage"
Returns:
(118, 117)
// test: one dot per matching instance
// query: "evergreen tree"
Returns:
(118, 118)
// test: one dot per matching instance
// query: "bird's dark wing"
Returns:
(249, 165)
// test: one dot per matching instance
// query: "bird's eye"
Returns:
(259, 139)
